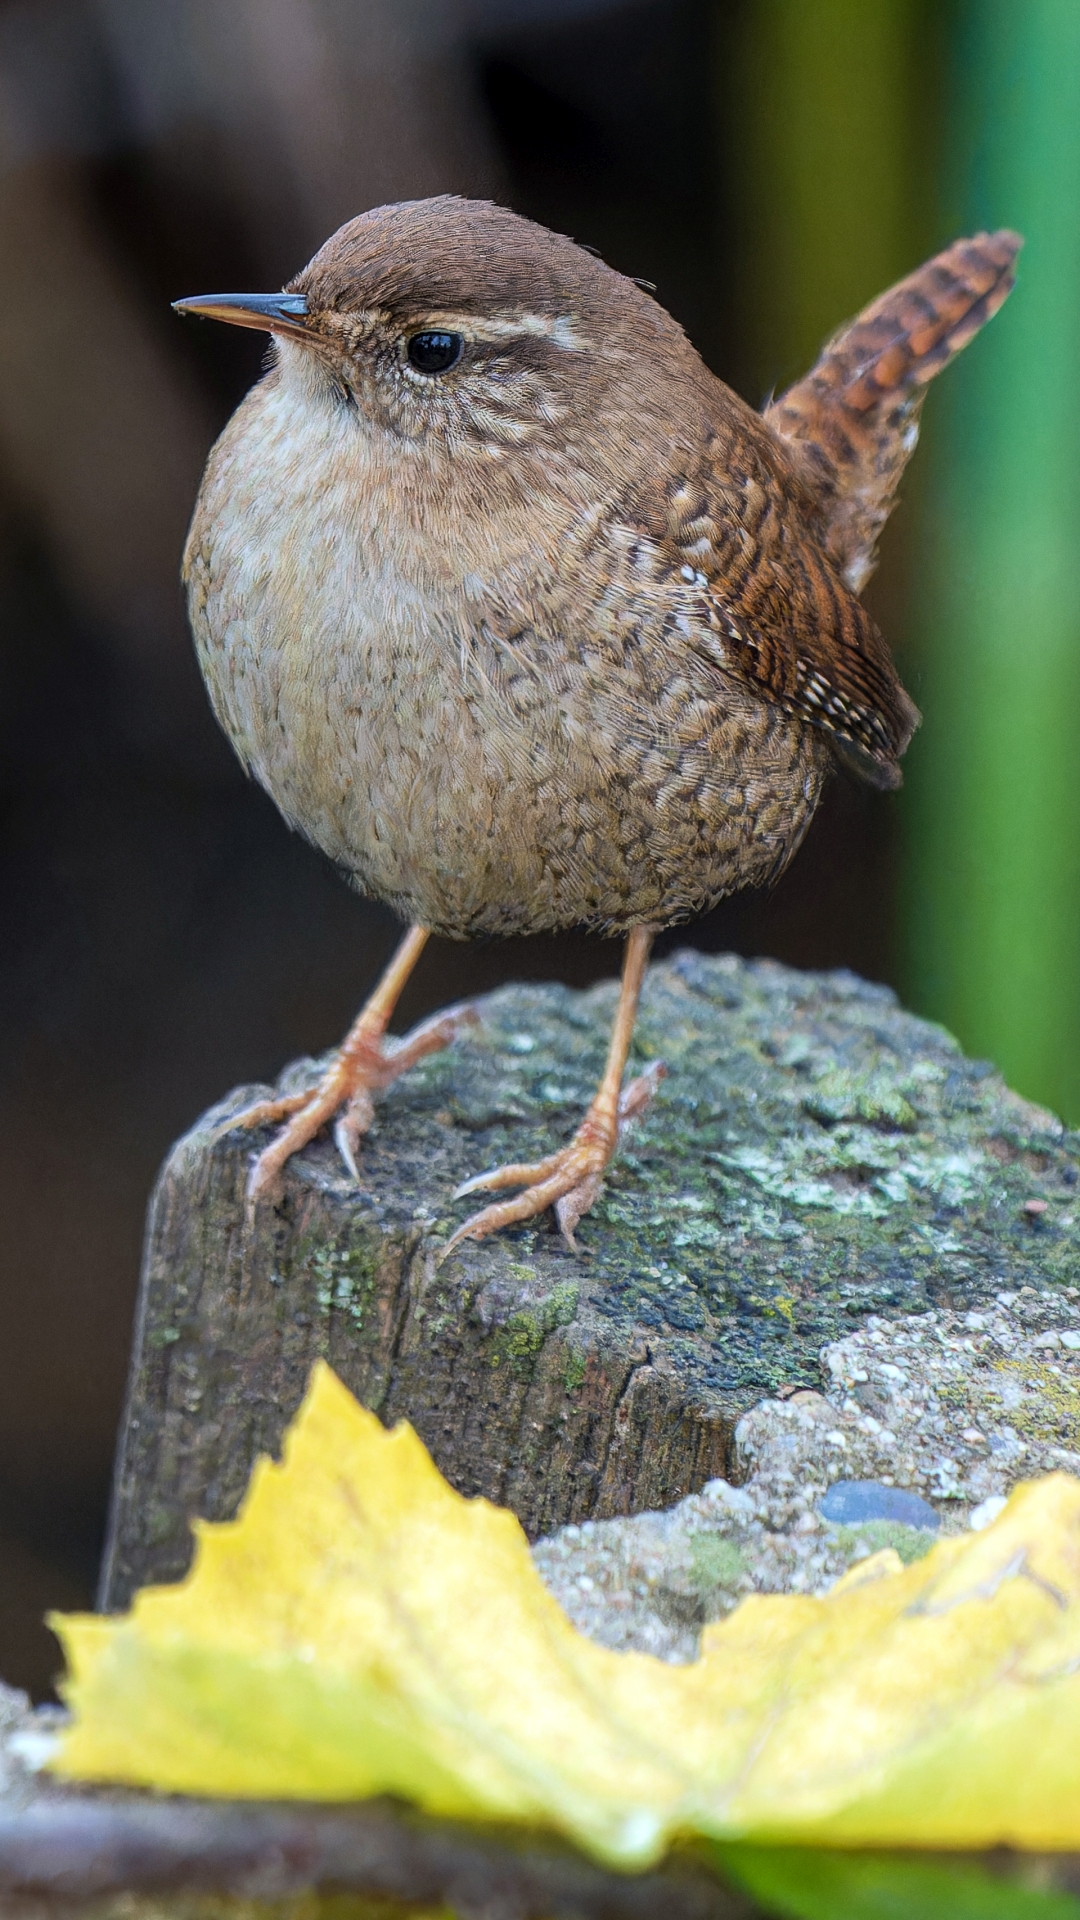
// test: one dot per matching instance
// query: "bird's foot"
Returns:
(362, 1067)
(569, 1180)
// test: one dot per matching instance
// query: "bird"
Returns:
(528, 621)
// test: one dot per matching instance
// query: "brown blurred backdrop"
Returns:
(164, 935)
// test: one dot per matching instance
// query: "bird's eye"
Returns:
(435, 352)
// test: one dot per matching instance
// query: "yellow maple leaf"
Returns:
(360, 1629)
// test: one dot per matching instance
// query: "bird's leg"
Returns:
(364, 1064)
(570, 1180)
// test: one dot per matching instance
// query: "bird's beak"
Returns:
(273, 312)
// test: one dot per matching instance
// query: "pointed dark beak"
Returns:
(273, 312)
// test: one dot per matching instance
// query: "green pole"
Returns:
(818, 109)
(991, 895)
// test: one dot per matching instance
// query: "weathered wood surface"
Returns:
(815, 1155)
(66, 1853)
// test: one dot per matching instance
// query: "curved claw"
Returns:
(507, 1213)
(364, 1066)
(305, 1124)
(574, 1205)
(637, 1093)
(569, 1180)
(350, 1126)
(524, 1173)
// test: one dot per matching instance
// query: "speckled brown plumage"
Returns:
(566, 633)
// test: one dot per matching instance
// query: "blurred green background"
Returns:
(771, 165)
(875, 130)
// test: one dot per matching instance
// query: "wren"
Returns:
(529, 622)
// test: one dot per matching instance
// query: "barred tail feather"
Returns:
(853, 420)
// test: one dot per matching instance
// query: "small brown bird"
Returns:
(529, 622)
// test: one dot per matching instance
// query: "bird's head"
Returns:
(460, 320)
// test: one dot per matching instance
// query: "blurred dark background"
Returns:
(770, 165)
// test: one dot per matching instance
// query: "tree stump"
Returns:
(815, 1155)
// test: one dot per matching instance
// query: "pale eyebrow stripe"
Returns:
(559, 328)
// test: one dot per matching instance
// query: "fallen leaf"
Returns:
(360, 1628)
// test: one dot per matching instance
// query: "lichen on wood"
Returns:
(815, 1155)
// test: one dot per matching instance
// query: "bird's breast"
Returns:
(338, 607)
(489, 744)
